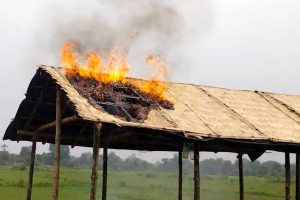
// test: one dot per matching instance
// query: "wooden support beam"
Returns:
(196, 173)
(62, 121)
(104, 175)
(287, 176)
(31, 170)
(180, 175)
(241, 176)
(94, 176)
(58, 123)
(297, 195)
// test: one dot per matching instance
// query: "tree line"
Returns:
(207, 167)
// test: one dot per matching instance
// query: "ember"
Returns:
(120, 99)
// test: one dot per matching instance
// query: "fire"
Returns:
(159, 73)
(114, 68)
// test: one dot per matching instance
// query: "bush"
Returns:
(20, 183)
(122, 184)
(150, 175)
(20, 167)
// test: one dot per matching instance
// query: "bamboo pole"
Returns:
(57, 145)
(52, 124)
(196, 174)
(287, 176)
(297, 176)
(104, 175)
(94, 176)
(180, 175)
(31, 170)
(241, 176)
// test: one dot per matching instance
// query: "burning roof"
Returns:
(104, 83)
(198, 111)
(121, 99)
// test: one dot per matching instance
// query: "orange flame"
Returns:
(114, 69)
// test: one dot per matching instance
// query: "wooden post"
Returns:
(57, 144)
(297, 176)
(104, 175)
(94, 176)
(196, 173)
(241, 176)
(287, 176)
(31, 170)
(180, 175)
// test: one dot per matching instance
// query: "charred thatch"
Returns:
(120, 99)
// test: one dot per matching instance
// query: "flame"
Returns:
(114, 69)
(159, 72)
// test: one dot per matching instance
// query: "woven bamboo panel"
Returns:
(268, 119)
(207, 112)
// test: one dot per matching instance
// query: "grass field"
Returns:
(75, 185)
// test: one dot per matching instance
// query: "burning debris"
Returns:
(106, 86)
(120, 99)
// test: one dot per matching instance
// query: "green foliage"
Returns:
(64, 154)
(20, 166)
(25, 155)
(4, 158)
(134, 185)
(20, 183)
(122, 184)
(132, 163)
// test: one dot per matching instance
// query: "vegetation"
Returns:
(140, 185)
(136, 179)
(207, 167)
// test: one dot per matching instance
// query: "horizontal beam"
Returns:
(52, 124)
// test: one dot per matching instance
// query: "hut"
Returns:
(204, 118)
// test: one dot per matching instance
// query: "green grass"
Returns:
(75, 185)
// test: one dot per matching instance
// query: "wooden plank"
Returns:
(58, 123)
(104, 175)
(297, 195)
(196, 173)
(31, 170)
(94, 176)
(241, 176)
(180, 175)
(287, 176)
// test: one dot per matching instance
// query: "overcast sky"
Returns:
(242, 44)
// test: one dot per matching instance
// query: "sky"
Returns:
(239, 44)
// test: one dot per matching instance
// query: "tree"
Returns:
(24, 156)
(4, 146)
(114, 161)
(64, 152)
(4, 158)
(85, 159)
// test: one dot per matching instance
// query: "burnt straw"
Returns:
(120, 99)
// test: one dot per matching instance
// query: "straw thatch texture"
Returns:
(202, 111)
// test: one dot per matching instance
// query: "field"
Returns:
(74, 185)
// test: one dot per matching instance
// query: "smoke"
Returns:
(33, 31)
(139, 27)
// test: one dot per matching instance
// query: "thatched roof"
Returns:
(200, 112)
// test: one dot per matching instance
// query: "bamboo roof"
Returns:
(199, 112)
